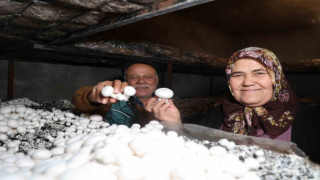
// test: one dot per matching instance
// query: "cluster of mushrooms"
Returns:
(87, 147)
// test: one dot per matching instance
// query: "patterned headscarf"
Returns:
(272, 118)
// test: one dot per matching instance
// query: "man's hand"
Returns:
(96, 96)
(163, 111)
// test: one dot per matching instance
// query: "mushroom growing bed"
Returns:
(46, 141)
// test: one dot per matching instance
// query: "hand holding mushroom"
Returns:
(163, 107)
(110, 92)
(128, 91)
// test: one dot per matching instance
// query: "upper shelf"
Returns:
(61, 30)
(62, 21)
(115, 54)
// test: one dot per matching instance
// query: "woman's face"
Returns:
(250, 83)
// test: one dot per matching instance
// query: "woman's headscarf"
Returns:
(272, 118)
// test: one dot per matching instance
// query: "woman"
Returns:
(261, 103)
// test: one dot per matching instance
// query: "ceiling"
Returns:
(47, 30)
(256, 16)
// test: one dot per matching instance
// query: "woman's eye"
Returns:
(260, 73)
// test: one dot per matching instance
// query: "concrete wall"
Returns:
(49, 82)
(188, 85)
(3, 79)
(176, 31)
(288, 46)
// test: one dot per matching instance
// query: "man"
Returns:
(143, 77)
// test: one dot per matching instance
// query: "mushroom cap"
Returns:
(164, 93)
(107, 91)
(129, 91)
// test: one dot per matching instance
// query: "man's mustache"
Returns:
(142, 86)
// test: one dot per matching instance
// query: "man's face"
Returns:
(143, 78)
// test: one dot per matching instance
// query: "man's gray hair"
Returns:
(126, 66)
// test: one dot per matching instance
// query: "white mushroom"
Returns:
(21, 129)
(74, 146)
(24, 162)
(224, 142)
(232, 165)
(217, 151)
(20, 109)
(96, 117)
(41, 154)
(259, 153)
(3, 123)
(3, 137)
(4, 128)
(164, 93)
(12, 123)
(84, 120)
(5, 110)
(121, 97)
(107, 91)
(89, 148)
(57, 151)
(252, 163)
(114, 96)
(128, 91)
(70, 115)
